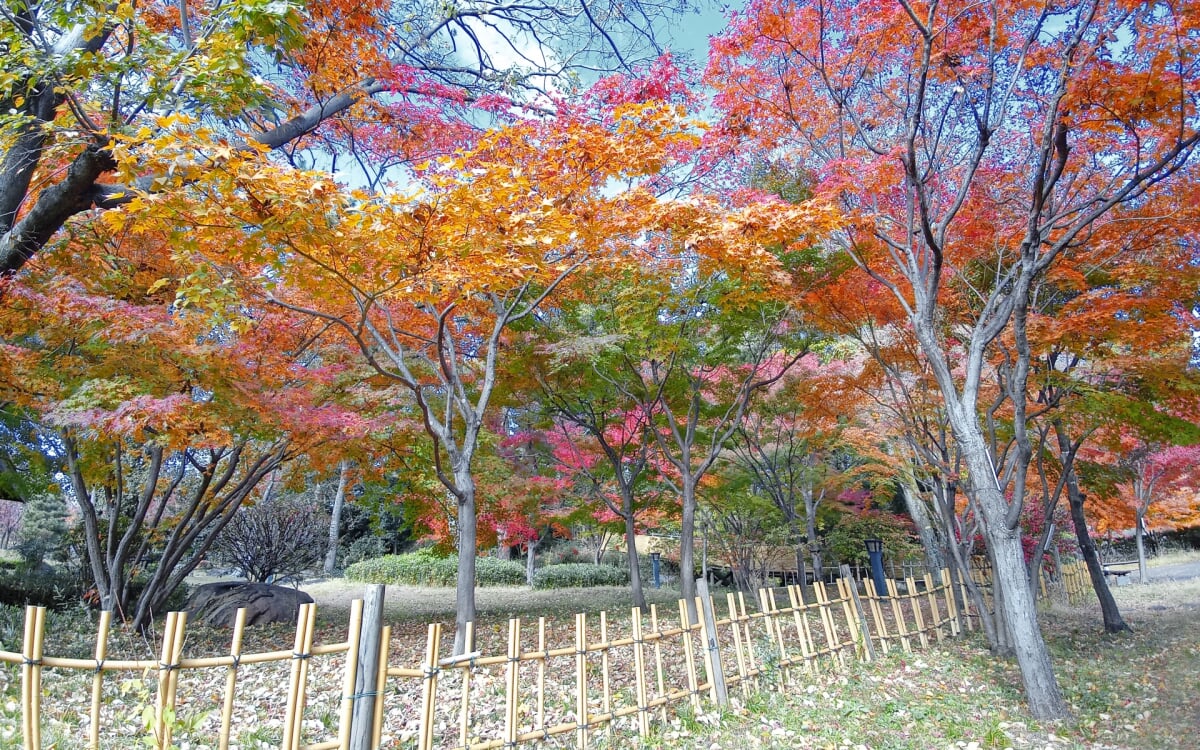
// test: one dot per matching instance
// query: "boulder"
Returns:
(217, 603)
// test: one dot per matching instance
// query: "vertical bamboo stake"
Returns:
(31, 676)
(736, 626)
(429, 688)
(776, 631)
(235, 653)
(639, 666)
(898, 613)
(797, 621)
(662, 689)
(98, 679)
(851, 587)
(512, 695)
(807, 637)
(164, 678)
(310, 620)
(292, 713)
(464, 710)
(581, 704)
(689, 655)
(962, 590)
(541, 679)
(915, 599)
(933, 606)
(173, 675)
(354, 630)
(385, 644)
(608, 727)
(751, 666)
(844, 599)
(885, 638)
(951, 605)
(831, 639)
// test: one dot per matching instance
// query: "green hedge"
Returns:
(424, 568)
(579, 575)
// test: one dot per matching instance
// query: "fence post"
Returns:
(366, 678)
(852, 584)
(716, 673)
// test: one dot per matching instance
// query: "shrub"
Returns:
(425, 568)
(279, 537)
(579, 575)
(46, 589)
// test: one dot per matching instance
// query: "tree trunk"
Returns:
(930, 543)
(687, 545)
(1015, 603)
(1110, 613)
(635, 573)
(1139, 533)
(464, 597)
(530, 556)
(814, 544)
(335, 517)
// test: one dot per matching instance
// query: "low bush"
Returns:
(43, 589)
(424, 568)
(579, 575)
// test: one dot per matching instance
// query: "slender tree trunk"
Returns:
(635, 572)
(530, 556)
(464, 597)
(1139, 533)
(1110, 612)
(335, 517)
(928, 535)
(687, 547)
(814, 544)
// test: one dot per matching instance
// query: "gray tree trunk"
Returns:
(930, 543)
(464, 596)
(335, 517)
(1139, 533)
(635, 571)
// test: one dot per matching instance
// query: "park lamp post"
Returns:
(655, 569)
(875, 552)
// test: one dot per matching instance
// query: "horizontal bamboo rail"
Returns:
(608, 678)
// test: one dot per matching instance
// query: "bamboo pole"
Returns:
(797, 605)
(354, 631)
(604, 679)
(639, 666)
(951, 605)
(933, 606)
(464, 709)
(851, 587)
(98, 678)
(658, 666)
(918, 616)
(235, 653)
(898, 613)
(965, 594)
(429, 671)
(831, 639)
(31, 676)
(689, 655)
(581, 704)
(885, 637)
(776, 630)
(164, 672)
(512, 695)
(385, 644)
(306, 654)
(295, 703)
(541, 678)
(847, 611)
(173, 675)
(751, 665)
(736, 627)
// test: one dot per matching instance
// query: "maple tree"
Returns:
(367, 87)
(971, 146)
(164, 419)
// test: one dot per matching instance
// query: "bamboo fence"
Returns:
(601, 682)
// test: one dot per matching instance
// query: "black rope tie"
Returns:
(298, 655)
(429, 672)
(99, 666)
(364, 694)
(30, 662)
(237, 661)
(165, 667)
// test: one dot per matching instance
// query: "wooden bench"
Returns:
(1110, 569)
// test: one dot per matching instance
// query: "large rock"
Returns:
(217, 603)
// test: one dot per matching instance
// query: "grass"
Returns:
(1133, 690)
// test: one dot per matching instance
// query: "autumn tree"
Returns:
(363, 87)
(974, 145)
